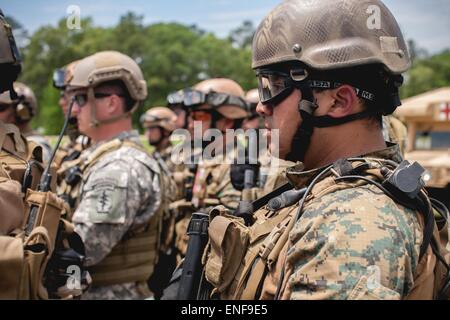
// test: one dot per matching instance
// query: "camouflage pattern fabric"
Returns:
(353, 244)
(120, 193)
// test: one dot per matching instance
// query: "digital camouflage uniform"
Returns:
(353, 242)
(211, 186)
(67, 158)
(119, 194)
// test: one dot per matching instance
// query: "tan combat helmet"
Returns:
(62, 76)
(10, 61)
(108, 66)
(223, 95)
(159, 117)
(321, 44)
(25, 104)
(331, 34)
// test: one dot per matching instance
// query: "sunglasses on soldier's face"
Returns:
(82, 98)
(201, 115)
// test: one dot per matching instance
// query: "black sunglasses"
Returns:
(82, 98)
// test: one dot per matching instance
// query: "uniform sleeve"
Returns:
(353, 244)
(110, 201)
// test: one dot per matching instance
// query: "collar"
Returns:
(300, 178)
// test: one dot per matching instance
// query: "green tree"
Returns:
(242, 36)
(427, 74)
(171, 55)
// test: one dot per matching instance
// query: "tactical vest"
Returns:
(210, 180)
(24, 256)
(134, 257)
(239, 257)
(169, 187)
(67, 162)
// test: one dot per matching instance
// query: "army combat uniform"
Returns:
(351, 241)
(118, 217)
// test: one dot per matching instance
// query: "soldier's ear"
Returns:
(345, 102)
(116, 105)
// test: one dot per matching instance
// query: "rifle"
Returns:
(192, 275)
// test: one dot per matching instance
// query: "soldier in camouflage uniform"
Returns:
(159, 123)
(324, 85)
(33, 225)
(119, 212)
(213, 104)
(20, 113)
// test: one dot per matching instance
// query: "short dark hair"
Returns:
(120, 89)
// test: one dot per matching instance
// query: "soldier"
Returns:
(20, 112)
(213, 104)
(119, 210)
(32, 234)
(175, 103)
(159, 123)
(325, 80)
(77, 142)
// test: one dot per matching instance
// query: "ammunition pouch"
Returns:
(229, 239)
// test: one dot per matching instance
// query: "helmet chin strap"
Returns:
(306, 107)
(161, 138)
(302, 138)
(94, 121)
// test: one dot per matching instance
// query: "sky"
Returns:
(425, 21)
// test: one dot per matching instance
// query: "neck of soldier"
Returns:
(352, 139)
(25, 128)
(107, 131)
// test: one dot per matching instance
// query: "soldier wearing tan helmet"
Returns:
(159, 123)
(30, 218)
(20, 112)
(68, 153)
(212, 104)
(72, 149)
(346, 226)
(120, 183)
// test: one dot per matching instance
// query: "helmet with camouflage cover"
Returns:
(330, 34)
(108, 66)
(10, 61)
(224, 96)
(25, 104)
(322, 44)
(159, 117)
